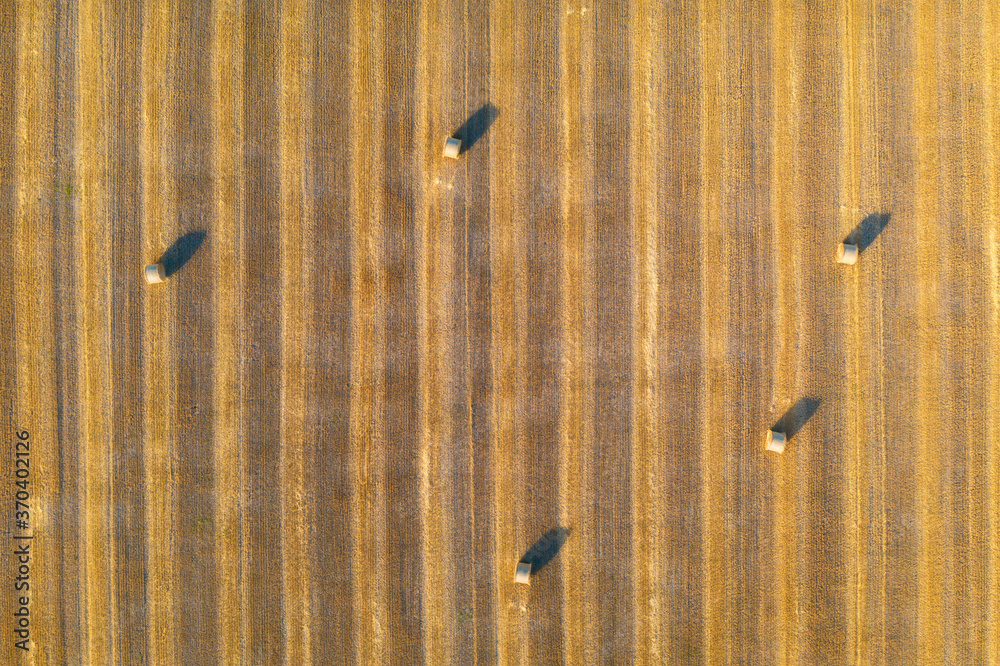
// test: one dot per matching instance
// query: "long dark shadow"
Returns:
(476, 126)
(181, 251)
(543, 550)
(796, 416)
(865, 233)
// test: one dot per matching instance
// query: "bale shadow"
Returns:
(865, 233)
(543, 550)
(796, 416)
(181, 252)
(476, 126)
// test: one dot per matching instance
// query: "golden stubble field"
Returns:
(378, 378)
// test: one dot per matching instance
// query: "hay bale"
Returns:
(154, 273)
(452, 146)
(847, 254)
(523, 573)
(775, 441)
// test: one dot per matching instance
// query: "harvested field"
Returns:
(376, 378)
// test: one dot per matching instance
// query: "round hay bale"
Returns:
(523, 573)
(847, 254)
(154, 273)
(452, 147)
(775, 441)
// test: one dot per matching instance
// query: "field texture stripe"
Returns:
(61, 520)
(190, 272)
(515, 509)
(587, 193)
(397, 443)
(128, 502)
(479, 254)
(262, 350)
(34, 284)
(868, 362)
(976, 205)
(46, 369)
(753, 333)
(677, 78)
(228, 462)
(714, 341)
(895, 46)
(307, 186)
(533, 502)
(849, 195)
(367, 385)
(612, 347)
(875, 142)
(94, 241)
(442, 25)
(822, 456)
(11, 145)
(736, 392)
(576, 82)
(925, 98)
(961, 380)
(11, 169)
(991, 130)
(504, 332)
(59, 385)
(432, 325)
(537, 211)
(158, 204)
(291, 103)
(783, 372)
(972, 189)
(646, 449)
(329, 452)
(11, 149)
(459, 187)
(795, 471)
